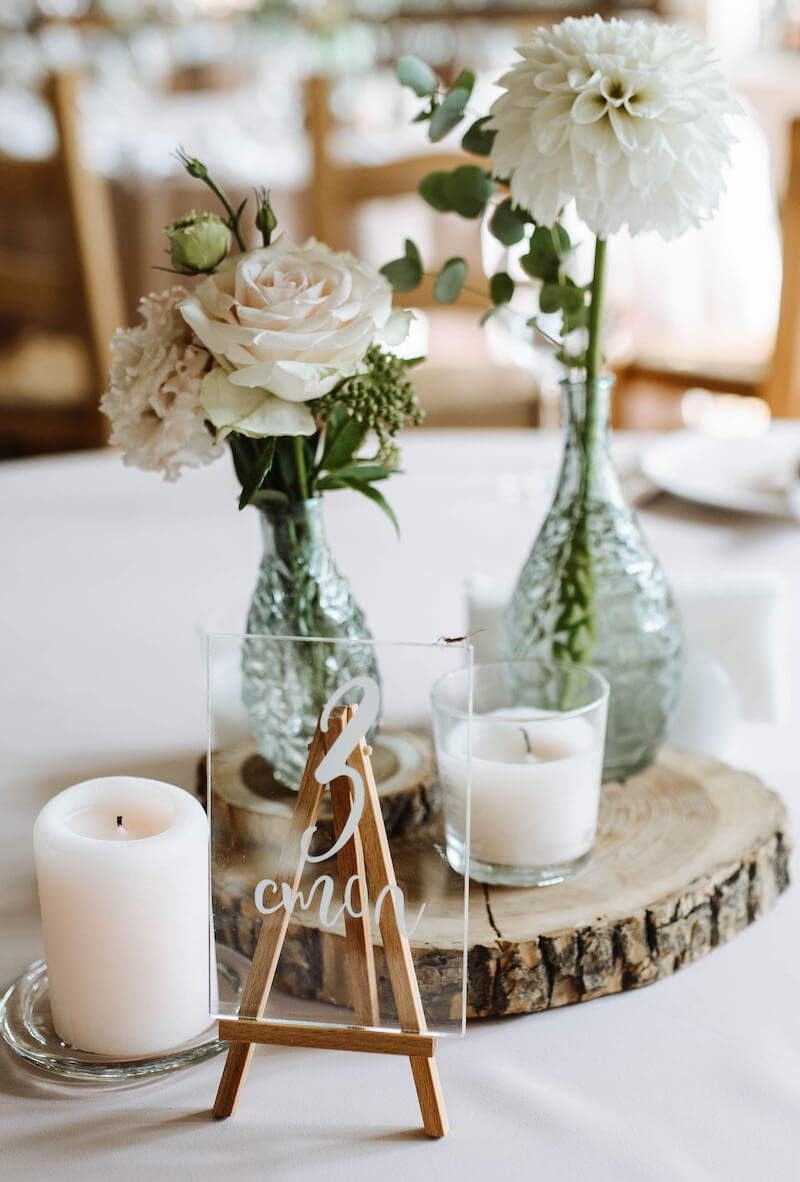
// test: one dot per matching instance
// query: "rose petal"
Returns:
(255, 413)
(396, 328)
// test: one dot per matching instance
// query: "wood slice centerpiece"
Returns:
(254, 808)
(688, 853)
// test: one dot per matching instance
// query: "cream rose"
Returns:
(286, 323)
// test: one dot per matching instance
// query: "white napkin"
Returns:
(735, 654)
(740, 620)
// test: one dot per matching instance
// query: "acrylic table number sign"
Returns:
(335, 886)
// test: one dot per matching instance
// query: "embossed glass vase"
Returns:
(299, 592)
(591, 591)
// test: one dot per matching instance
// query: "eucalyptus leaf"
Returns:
(556, 297)
(414, 72)
(540, 266)
(412, 251)
(579, 318)
(501, 287)
(465, 81)
(406, 273)
(452, 278)
(478, 139)
(550, 298)
(507, 224)
(432, 189)
(551, 241)
(449, 113)
(571, 298)
(467, 190)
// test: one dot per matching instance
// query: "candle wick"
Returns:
(119, 821)
(527, 739)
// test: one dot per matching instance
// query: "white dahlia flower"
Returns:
(628, 119)
(153, 395)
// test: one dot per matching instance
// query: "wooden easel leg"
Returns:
(273, 932)
(380, 869)
(366, 854)
(429, 1094)
(358, 930)
(233, 1076)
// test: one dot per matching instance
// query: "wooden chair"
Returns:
(475, 392)
(782, 386)
(67, 286)
(338, 190)
(778, 380)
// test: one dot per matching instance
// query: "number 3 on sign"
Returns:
(335, 764)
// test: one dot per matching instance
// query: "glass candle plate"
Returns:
(26, 1026)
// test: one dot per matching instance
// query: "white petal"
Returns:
(225, 405)
(396, 328)
(276, 417)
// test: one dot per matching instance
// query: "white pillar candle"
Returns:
(535, 787)
(122, 868)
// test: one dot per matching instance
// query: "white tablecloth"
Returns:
(107, 574)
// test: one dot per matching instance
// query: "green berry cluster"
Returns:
(379, 398)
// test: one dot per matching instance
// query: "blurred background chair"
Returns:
(302, 99)
(363, 207)
(60, 292)
(781, 389)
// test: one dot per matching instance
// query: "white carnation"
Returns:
(153, 395)
(628, 119)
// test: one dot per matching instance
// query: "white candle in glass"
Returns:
(122, 868)
(535, 786)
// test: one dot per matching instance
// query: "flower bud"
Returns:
(197, 243)
(265, 218)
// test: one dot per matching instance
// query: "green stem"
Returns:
(233, 221)
(594, 352)
(300, 460)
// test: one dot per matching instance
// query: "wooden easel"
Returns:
(368, 850)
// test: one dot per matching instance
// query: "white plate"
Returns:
(748, 475)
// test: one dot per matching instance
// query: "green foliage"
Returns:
(451, 280)
(379, 399)
(468, 190)
(258, 471)
(412, 71)
(432, 189)
(198, 242)
(405, 274)
(501, 288)
(508, 223)
(266, 221)
(479, 139)
(198, 171)
(450, 111)
(576, 625)
(549, 247)
(465, 191)
(372, 493)
(561, 297)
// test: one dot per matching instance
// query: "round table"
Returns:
(109, 577)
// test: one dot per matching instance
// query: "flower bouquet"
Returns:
(280, 356)
(627, 122)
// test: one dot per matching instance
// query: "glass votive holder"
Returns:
(531, 747)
